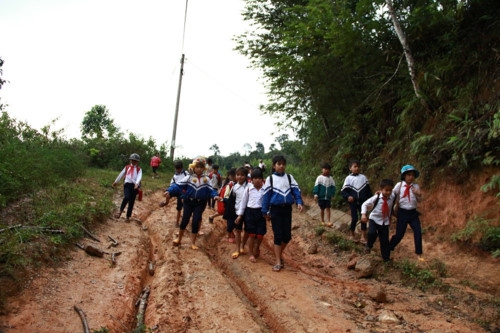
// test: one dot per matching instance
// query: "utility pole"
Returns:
(174, 132)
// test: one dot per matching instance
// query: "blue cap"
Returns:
(407, 168)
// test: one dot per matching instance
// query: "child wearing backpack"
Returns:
(249, 210)
(133, 176)
(380, 217)
(216, 181)
(355, 191)
(409, 196)
(281, 191)
(179, 174)
(323, 191)
(224, 192)
(198, 191)
(232, 203)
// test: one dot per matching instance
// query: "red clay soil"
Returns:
(205, 290)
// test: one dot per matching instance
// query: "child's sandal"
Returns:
(276, 268)
(235, 255)
(252, 259)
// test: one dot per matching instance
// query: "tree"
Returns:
(2, 81)
(97, 124)
(215, 149)
(247, 148)
(259, 148)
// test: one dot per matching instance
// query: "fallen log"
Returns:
(90, 235)
(142, 307)
(83, 318)
(92, 250)
(11, 227)
(43, 229)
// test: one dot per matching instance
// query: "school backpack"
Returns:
(224, 193)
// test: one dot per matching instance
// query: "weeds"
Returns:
(480, 232)
(336, 238)
(420, 277)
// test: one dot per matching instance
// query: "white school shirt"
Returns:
(404, 203)
(252, 198)
(376, 213)
(238, 190)
(133, 177)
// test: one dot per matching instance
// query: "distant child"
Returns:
(380, 218)
(179, 174)
(229, 180)
(233, 223)
(355, 191)
(281, 191)
(262, 166)
(216, 181)
(155, 163)
(324, 190)
(210, 163)
(198, 192)
(409, 195)
(133, 177)
(249, 210)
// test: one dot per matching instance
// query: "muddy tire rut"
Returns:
(206, 290)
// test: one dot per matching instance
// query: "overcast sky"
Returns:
(62, 57)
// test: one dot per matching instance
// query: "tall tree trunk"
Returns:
(407, 52)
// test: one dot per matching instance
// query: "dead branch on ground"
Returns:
(143, 301)
(83, 318)
(114, 242)
(90, 235)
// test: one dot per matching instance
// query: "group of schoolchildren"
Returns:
(249, 201)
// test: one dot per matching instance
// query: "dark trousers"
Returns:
(406, 217)
(355, 210)
(382, 232)
(129, 194)
(195, 208)
(281, 222)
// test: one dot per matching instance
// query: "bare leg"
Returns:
(238, 239)
(177, 241)
(322, 214)
(193, 242)
(244, 242)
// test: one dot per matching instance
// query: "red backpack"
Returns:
(224, 192)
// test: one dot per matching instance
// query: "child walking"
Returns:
(409, 195)
(324, 190)
(251, 209)
(355, 191)
(233, 223)
(155, 163)
(133, 176)
(230, 178)
(216, 181)
(179, 174)
(198, 192)
(281, 191)
(380, 218)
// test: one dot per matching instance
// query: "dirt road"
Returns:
(206, 290)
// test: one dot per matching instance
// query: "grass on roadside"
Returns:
(41, 225)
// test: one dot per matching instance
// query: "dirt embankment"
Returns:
(206, 290)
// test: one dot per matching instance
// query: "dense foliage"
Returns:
(336, 71)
